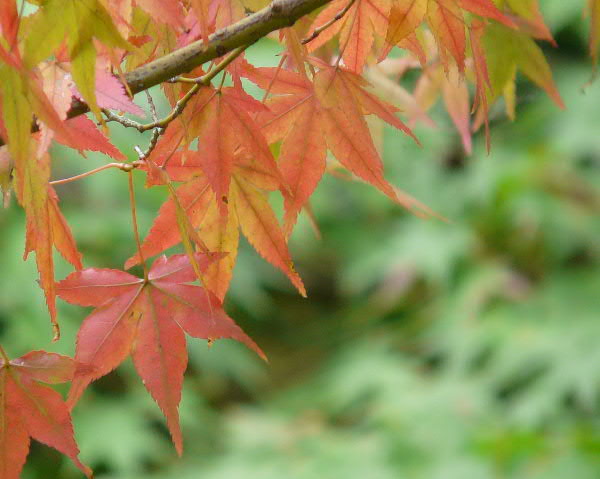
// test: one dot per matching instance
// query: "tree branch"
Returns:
(278, 14)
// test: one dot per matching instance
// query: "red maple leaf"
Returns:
(357, 29)
(110, 93)
(222, 123)
(85, 135)
(46, 227)
(147, 319)
(329, 113)
(248, 210)
(80, 133)
(445, 19)
(162, 11)
(29, 409)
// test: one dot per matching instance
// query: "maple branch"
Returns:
(338, 16)
(123, 120)
(278, 14)
(199, 82)
(177, 110)
(121, 166)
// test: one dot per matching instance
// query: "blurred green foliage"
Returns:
(427, 349)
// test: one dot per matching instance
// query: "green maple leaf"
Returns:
(79, 22)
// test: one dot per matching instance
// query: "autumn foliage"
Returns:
(219, 154)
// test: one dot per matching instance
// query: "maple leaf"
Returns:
(46, 227)
(16, 115)
(220, 233)
(594, 12)
(486, 9)
(85, 135)
(446, 21)
(248, 208)
(357, 29)
(530, 19)
(6, 171)
(259, 224)
(453, 88)
(46, 94)
(80, 132)
(80, 21)
(331, 111)
(456, 99)
(9, 22)
(163, 12)
(405, 17)
(110, 94)
(146, 319)
(482, 78)
(56, 83)
(518, 52)
(29, 409)
(227, 12)
(222, 124)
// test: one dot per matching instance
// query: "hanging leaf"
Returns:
(29, 409)
(148, 321)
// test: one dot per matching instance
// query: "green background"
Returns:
(467, 349)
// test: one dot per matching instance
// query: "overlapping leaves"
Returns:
(216, 157)
(29, 409)
(146, 318)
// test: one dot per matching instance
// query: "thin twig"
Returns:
(121, 166)
(199, 82)
(110, 116)
(180, 79)
(136, 232)
(156, 133)
(338, 16)
(152, 106)
(278, 14)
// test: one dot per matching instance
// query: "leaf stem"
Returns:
(136, 232)
(279, 66)
(343, 49)
(121, 166)
(189, 237)
(160, 125)
(278, 14)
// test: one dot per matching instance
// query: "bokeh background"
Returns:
(468, 349)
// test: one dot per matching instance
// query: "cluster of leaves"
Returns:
(214, 154)
(434, 350)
